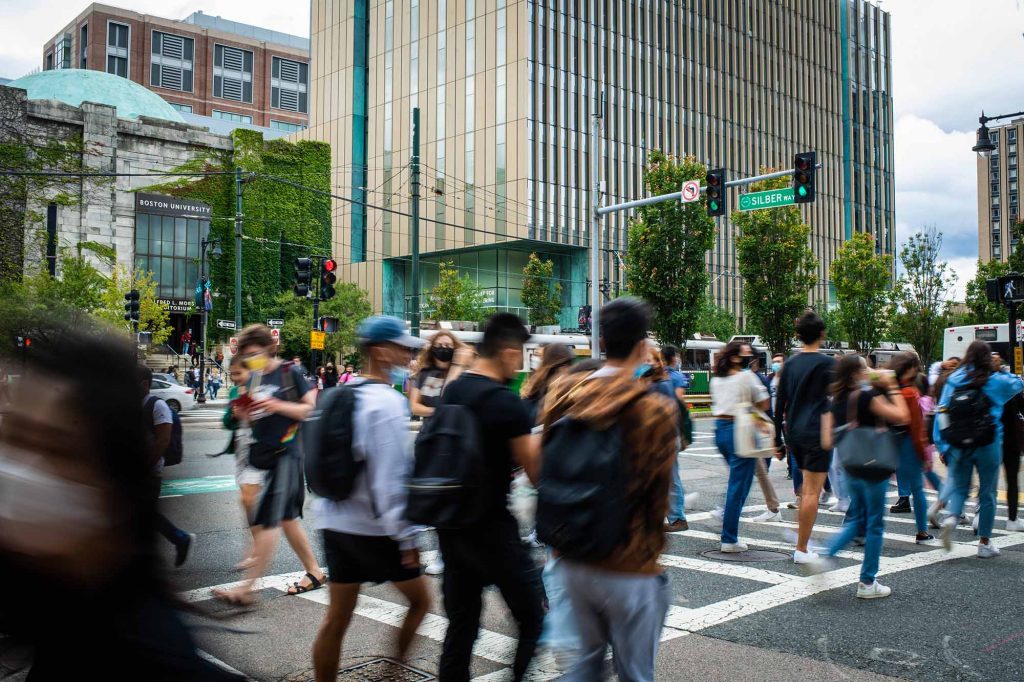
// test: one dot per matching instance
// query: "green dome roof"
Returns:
(74, 86)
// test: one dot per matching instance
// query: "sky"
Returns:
(951, 59)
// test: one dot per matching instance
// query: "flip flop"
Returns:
(296, 588)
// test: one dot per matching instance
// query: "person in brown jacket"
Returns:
(623, 598)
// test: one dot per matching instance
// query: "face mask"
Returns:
(398, 375)
(776, 366)
(642, 370)
(534, 362)
(256, 363)
(442, 353)
(745, 361)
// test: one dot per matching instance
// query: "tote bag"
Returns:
(753, 431)
(864, 452)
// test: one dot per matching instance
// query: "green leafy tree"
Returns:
(982, 310)
(1015, 259)
(861, 278)
(777, 267)
(921, 294)
(668, 242)
(153, 317)
(833, 327)
(454, 297)
(715, 320)
(541, 294)
(350, 305)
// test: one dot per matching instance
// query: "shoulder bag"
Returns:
(753, 431)
(865, 452)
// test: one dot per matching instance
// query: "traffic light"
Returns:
(1011, 288)
(131, 306)
(992, 290)
(303, 276)
(328, 276)
(716, 192)
(327, 324)
(804, 168)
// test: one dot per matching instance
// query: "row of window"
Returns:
(242, 118)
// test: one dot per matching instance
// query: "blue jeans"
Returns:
(559, 623)
(741, 475)
(838, 478)
(987, 461)
(934, 480)
(798, 476)
(677, 496)
(866, 518)
(910, 477)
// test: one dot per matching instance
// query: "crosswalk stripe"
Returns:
(897, 519)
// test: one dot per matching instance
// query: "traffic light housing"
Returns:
(992, 290)
(1011, 288)
(716, 192)
(131, 306)
(328, 276)
(327, 324)
(303, 276)
(804, 169)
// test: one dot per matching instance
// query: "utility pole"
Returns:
(595, 230)
(414, 219)
(238, 248)
(315, 291)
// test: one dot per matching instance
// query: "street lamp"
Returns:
(215, 243)
(985, 146)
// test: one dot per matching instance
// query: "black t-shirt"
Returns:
(430, 382)
(803, 397)
(502, 416)
(865, 417)
(276, 428)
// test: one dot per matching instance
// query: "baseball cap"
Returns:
(385, 329)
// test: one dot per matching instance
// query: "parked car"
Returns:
(169, 378)
(178, 398)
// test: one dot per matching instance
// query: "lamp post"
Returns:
(201, 398)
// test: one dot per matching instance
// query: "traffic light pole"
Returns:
(239, 181)
(414, 220)
(315, 289)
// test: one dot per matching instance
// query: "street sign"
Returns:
(316, 340)
(226, 324)
(690, 191)
(1018, 360)
(275, 323)
(753, 201)
(233, 344)
(275, 334)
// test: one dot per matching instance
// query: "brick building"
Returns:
(201, 65)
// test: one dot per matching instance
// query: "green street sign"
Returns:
(753, 201)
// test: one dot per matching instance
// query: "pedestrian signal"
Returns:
(328, 324)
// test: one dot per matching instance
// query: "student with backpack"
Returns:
(465, 456)
(609, 444)
(676, 519)
(362, 476)
(969, 422)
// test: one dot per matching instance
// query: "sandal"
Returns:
(235, 597)
(315, 584)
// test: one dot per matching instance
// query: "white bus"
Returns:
(956, 339)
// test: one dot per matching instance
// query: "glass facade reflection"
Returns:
(168, 247)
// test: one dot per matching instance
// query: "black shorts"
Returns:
(812, 459)
(364, 559)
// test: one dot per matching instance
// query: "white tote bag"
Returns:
(753, 432)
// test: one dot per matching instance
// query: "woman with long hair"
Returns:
(440, 362)
(876, 405)
(731, 385)
(997, 388)
(555, 360)
(913, 447)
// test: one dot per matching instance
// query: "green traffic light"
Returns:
(714, 205)
(802, 191)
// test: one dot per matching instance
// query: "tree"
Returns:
(350, 305)
(1015, 258)
(861, 278)
(984, 311)
(715, 320)
(454, 297)
(668, 242)
(920, 295)
(777, 267)
(153, 317)
(541, 294)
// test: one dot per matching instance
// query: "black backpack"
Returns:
(175, 448)
(967, 419)
(331, 466)
(446, 489)
(581, 503)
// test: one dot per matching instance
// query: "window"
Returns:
(285, 126)
(232, 73)
(184, 108)
(171, 64)
(83, 47)
(168, 247)
(1011, 135)
(288, 85)
(230, 116)
(49, 62)
(118, 38)
(62, 52)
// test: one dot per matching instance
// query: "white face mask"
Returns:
(534, 362)
(42, 512)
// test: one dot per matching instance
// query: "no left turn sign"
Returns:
(690, 191)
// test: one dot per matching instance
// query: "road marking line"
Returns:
(760, 575)
(897, 519)
(758, 542)
(892, 537)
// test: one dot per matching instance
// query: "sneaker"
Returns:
(435, 567)
(807, 557)
(902, 506)
(946, 533)
(734, 547)
(767, 516)
(842, 506)
(974, 523)
(875, 590)
(823, 565)
(824, 497)
(1017, 525)
(933, 516)
(859, 542)
(965, 520)
(987, 551)
(928, 540)
(717, 513)
(795, 504)
(677, 526)
(831, 501)
(182, 547)
(532, 541)
(689, 499)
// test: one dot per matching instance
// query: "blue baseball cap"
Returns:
(386, 329)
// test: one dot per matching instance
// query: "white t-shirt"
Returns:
(161, 415)
(727, 392)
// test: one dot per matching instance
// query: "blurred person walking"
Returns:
(248, 478)
(913, 447)
(679, 382)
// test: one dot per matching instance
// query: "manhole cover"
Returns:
(749, 555)
(377, 670)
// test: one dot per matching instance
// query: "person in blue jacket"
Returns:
(999, 387)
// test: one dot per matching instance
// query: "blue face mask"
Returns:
(776, 366)
(398, 375)
(642, 370)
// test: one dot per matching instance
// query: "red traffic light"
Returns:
(330, 265)
(28, 342)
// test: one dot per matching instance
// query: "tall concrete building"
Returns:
(999, 194)
(506, 90)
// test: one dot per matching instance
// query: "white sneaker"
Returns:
(933, 516)
(717, 513)
(822, 565)
(435, 567)
(767, 516)
(842, 506)
(987, 551)
(734, 547)
(946, 533)
(807, 557)
(1017, 525)
(689, 499)
(875, 590)
(974, 523)
(824, 497)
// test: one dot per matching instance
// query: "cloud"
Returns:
(965, 270)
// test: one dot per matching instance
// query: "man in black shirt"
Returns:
(489, 552)
(802, 398)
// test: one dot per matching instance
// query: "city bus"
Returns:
(956, 339)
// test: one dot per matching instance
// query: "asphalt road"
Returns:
(951, 616)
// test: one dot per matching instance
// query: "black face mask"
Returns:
(443, 354)
(745, 361)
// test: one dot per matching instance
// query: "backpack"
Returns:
(966, 422)
(581, 504)
(446, 489)
(175, 448)
(331, 465)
